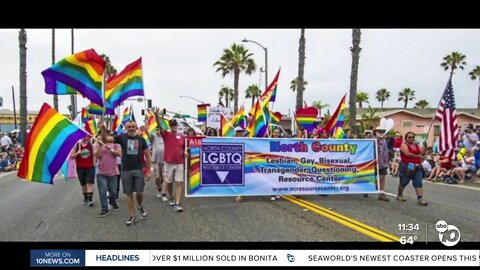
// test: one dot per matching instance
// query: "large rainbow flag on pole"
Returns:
(82, 71)
(48, 144)
(127, 83)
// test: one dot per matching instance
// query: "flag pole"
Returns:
(440, 101)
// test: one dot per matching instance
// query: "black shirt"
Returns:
(132, 151)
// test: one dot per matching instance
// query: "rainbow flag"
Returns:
(164, 123)
(306, 118)
(144, 134)
(339, 133)
(96, 109)
(127, 83)
(89, 122)
(202, 112)
(259, 124)
(337, 118)
(82, 71)
(226, 127)
(48, 144)
(275, 117)
(127, 115)
(116, 123)
(151, 123)
(268, 94)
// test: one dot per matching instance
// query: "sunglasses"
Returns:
(409, 137)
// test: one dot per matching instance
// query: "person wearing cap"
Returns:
(174, 158)
(383, 164)
(368, 134)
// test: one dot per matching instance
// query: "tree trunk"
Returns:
(301, 67)
(405, 105)
(226, 99)
(55, 97)
(22, 38)
(382, 104)
(355, 49)
(253, 100)
(236, 79)
(478, 101)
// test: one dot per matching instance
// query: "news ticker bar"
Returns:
(254, 257)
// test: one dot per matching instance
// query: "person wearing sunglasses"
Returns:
(410, 168)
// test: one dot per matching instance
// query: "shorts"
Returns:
(133, 181)
(157, 169)
(86, 176)
(417, 177)
(173, 172)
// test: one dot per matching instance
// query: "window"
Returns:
(407, 123)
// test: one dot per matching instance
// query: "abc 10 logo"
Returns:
(449, 235)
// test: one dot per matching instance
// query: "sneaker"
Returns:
(164, 198)
(85, 201)
(272, 198)
(172, 203)
(422, 202)
(90, 203)
(142, 211)
(103, 214)
(159, 195)
(365, 195)
(177, 208)
(401, 198)
(115, 206)
(130, 221)
(383, 197)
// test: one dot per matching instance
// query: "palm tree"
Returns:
(355, 49)
(406, 95)
(382, 96)
(55, 96)
(361, 97)
(473, 75)
(227, 93)
(370, 116)
(22, 38)
(294, 84)
(319, 105)
(423, 103)
(109, 69)
(235, 60)
(253, 92)
(301, 67)
(453, 61)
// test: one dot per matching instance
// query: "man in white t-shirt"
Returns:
(158, 149)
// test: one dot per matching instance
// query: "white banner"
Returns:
(213, 116)
(282, 258)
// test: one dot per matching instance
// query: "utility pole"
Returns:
(73, 98)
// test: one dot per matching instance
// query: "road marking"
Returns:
(7, 173)
(344, 220)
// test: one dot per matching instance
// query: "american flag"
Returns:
(447, 115)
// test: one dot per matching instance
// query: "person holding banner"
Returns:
(410, 168)
(174, 161)
(383, 164)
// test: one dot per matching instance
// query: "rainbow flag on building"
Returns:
(127, 83)
(82, 72)
(48, 144)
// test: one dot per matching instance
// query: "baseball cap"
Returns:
(238, 129)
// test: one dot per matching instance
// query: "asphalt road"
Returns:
(39, 212)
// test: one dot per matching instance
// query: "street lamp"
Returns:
(266, 57)
(197, 100)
